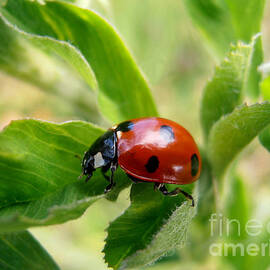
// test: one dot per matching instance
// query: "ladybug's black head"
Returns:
(101, 153)
(88, 165)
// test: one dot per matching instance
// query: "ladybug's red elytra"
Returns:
(148, 149)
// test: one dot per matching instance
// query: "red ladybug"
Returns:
(149, 150)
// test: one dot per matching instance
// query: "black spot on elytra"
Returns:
(125, 126)
(167, 133)
(152, 164)
(194, 164)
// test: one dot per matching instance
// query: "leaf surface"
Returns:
(233, 132)
(264, 136)
(152, 226)
(227, 87)
(238, 207)
(39, 172)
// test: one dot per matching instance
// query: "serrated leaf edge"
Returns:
(164, 227)
(236, 110)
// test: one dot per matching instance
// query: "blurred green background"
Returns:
(177, 63)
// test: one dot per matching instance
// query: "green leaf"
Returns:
(38, 157)
(233, 132)
(199, 240)
(238, 207)
(225, 91)
(84, 39)
(205, 190)
(60, 206)
(254, 79)
(213, 20)
(265, 87)
(67, 51)
(264, 138)
(22, 251)
(225, 21)
(246, 16)
(152, 226)
(261, 261)
(39, 173)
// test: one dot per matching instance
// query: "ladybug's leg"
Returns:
(88, 177)
(112, 183)
(113, 164)
(104, 170)
(157, 186)
(178, 190)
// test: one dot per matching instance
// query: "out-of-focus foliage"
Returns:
(87, 42)
(227, 21)
(265, 138)
(20, 58)
(265, 134)
(22, 251)
(238, 207)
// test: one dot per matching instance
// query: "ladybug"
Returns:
(148, 149)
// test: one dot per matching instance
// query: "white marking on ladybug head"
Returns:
(98, 160)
